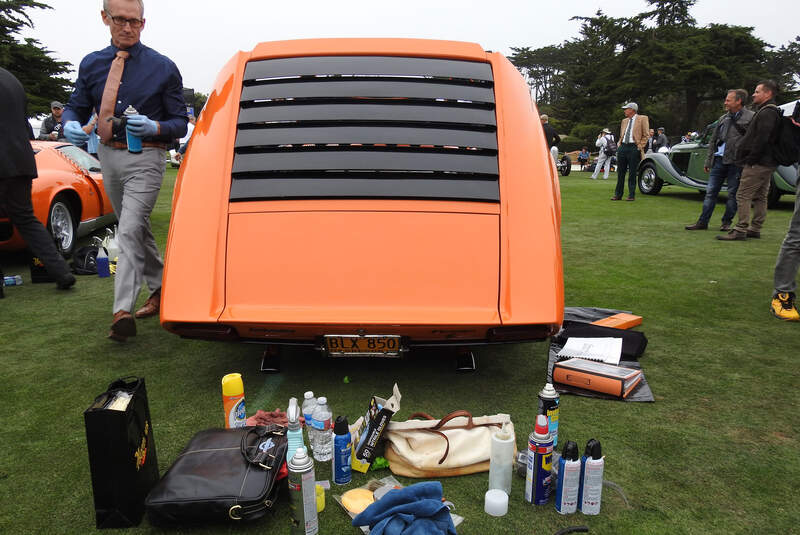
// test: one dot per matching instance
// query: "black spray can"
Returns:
(548, 405)
(302, 494)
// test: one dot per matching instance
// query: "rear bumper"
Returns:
(418, 336)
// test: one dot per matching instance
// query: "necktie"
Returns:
(108, 103)
(627, 136)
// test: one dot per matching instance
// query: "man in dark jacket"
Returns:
(719, 163)
(754, 155)
(551, 136)
(53, 127)
(17, 170)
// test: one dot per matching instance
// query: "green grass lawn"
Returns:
(716, 452)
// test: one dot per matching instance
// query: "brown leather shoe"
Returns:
(630, 199)
(151, 307)
(725, 227)
(122, 326)
(615, 198)
(734, 235)
(697, 226)
(754, 234)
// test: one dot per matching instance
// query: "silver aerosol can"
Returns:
(302, 494)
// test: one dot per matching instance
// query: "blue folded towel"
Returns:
(413, 510)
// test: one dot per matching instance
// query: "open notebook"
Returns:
(606, 350)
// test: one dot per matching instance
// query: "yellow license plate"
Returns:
(367, 345)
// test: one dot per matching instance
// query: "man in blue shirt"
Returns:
(722, 151)
(151, 84)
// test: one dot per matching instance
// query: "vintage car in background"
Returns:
(366, 197)
(68, 196)
(683, 165)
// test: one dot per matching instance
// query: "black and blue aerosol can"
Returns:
(568, 481)
(549, 401)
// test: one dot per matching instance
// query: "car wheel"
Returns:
(61, 224)
(774, 195)
(565, 165)
(649, 183)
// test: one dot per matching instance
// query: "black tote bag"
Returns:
(122, 453)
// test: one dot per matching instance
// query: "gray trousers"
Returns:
(789, 257)
(132, 182)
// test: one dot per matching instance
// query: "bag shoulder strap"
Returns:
(440, 425)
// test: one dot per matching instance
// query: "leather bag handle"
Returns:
(455, 414)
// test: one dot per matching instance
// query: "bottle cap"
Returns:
(593, 449)
(232, 385)
(300, 455)
(570, 451)
(503, 433)
(495, 502)
(308, 395)
(341, 426)
(542, 427)
(548, 391)
(322, 400)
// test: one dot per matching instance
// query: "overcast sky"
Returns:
(201, 35)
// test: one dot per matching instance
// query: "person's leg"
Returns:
(601, 159)
(788, 263)
(138, 253)
(760, 197)
(607, 168)
(633, 171)
(715, 179)
(622, 167)
(554, 154)
(16, 196)
(748, 184)
(733, 186)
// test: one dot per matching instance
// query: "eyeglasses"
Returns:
(122, 21)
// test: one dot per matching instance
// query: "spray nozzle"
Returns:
(570, 451)
(593, 449)
(293, 414)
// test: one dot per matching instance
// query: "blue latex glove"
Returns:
(141, 126)
(74, 133)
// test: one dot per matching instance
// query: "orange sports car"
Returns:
(68, 196)
(366, 196)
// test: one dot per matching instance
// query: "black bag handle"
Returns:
(259, 458)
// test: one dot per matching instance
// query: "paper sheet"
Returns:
(606, 350)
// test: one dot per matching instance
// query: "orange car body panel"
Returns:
(295, 268)
(57, 174)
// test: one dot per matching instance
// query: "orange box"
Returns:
(597, 376)
(623, 320)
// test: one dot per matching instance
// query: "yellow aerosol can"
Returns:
(233, 400)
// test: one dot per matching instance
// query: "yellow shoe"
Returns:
(782, 306)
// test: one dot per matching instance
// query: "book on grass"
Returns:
(606, 350)
(597, 376)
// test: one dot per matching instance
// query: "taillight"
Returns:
(512, 333)
(205, 331)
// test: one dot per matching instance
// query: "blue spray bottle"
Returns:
(342, 444)
(569, 479)
(591, 491)
(295, 434)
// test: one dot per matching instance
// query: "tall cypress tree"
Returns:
(28, 60)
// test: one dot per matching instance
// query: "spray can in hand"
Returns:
(568, 480)
(302, 494)
(134, 142)
(592, 466)
(548, 405)
(540, 458)
(342, 444)
(233, 400)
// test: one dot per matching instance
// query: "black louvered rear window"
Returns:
(366, 127)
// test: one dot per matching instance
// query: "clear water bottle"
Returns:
(309, 402)
(12, 280)
(322, 435)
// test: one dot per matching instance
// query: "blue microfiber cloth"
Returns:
(413, 510)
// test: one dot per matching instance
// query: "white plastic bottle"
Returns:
(322, 436)
(501, 460)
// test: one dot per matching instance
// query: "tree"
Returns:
(29, 61)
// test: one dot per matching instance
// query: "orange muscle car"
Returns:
(68, 196)
(366, 196)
